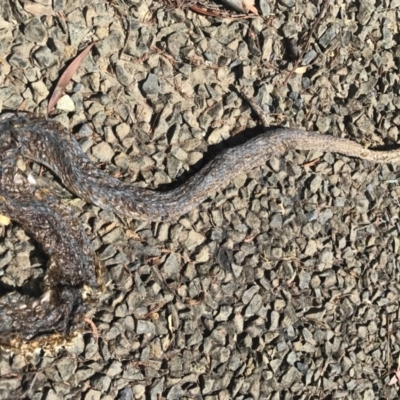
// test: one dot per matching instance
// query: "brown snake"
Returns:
(71, 266)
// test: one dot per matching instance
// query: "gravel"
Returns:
(285, 284)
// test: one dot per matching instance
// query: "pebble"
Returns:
(103, 152)
(65, 103)
(127, 394)
(44, 57)
(151, 85)
(35, 31)
(40, 91)
(194, 239)
(92, 395)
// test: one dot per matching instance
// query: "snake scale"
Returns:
(71, 269)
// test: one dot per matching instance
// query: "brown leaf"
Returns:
(153, 316)
(66, 77)
(203, 11)
(133, 235)
(311, 163)
(195, 302)
(93, 327)
(249, 5)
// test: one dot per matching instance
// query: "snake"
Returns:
(70, 277)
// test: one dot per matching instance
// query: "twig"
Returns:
(261, 114)
(321, 15)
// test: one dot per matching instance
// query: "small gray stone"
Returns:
(324, 124)
(171, 267)
(290, 377)
(208, 384)
(305, 278)
(103, 151)
(125, 394)
(85, 131)
(139, 391)
(40, 91)
(101, 383)
(194, 239)
(175, 42)
(151, 85)
(77, 32)
(145, 327)
(303, 368)
(44, 57)
(309, 57)
(265, 7)
(312, 215)
(35, 31)
(66, 368)
(173, 166)
(115, 236)
(287, 3)
(325, 215)
(362, 204)
(92, 395)
(114, 369)
(122, 131)
(311, 248)
(20, 56)
(327, 37)
(123, 76)
(249, 293)
(157, 388)
(254, 305)
(315, 183)
(65, 103)
(366, 8)
(224, 314)
(176, 392)
(289, 30)
(276, 221)
(274, 321)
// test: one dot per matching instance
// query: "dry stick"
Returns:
(261, 114)
(321, 15)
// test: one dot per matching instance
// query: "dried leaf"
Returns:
(203, 11)
(133, 235)
(153, 316)
(66, 77)
(93, 327)
(396, 377)
(311, 163)
(194, 302)
(249, 5)
(393, 381)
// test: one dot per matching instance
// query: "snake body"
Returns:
(72, 264)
